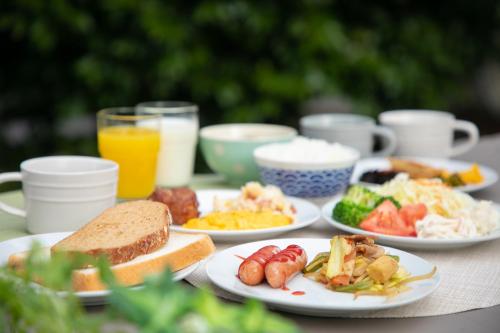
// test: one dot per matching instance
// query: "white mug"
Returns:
(352, 130)
(428, 133)
(62, 193)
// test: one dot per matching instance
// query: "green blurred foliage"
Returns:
(241, 61)
(160, 305)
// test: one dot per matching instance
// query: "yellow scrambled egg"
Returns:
(238, 220)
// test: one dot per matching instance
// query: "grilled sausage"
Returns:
(284, 265)
(251, 270)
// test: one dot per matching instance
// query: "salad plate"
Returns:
(21, 244)
(406, 242)
(380, 163)
(306, 214)
(307, 297)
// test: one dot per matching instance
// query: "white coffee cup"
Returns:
(352, 130)
(428, 133)
(62, 193)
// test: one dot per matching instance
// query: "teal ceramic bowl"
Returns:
(228, 148)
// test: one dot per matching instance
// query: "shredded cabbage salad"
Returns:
(452, 214)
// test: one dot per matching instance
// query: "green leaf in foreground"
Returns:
(29, 307)
(160, 305)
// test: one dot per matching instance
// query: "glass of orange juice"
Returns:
(132, 139)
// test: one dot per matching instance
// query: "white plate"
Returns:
(21, 244)
(317, 300)
(379, 163)
(406, 242)
(307, 213)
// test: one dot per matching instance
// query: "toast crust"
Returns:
(118, 255)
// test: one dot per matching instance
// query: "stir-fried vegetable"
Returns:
(317, 262)
(382, 269)
(393, 257)
(362, 285)
(337, 253)
(356, 265)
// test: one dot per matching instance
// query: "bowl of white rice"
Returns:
(306, 167)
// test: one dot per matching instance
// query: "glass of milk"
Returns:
(179, 133)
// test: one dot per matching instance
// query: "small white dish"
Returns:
(317, 300)
(21, 244)
(406, 242)
(379, 163)
(307, 213)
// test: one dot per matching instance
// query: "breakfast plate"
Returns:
(307, 297)
(307, 213)
(87, 297)
(379, 163)
(406, 242)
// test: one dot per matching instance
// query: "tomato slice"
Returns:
(385, 219)
(412, 213)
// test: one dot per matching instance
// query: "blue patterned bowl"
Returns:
(306, 179)
(308, 183)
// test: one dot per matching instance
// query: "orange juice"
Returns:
(135, 149)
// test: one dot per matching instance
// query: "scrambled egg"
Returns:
(238, 220)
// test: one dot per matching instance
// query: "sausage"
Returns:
(284, 265)
(251, 270)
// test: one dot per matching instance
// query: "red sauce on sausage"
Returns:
(240, 257)
(285, 288)
(290, 253)
(260, 257)
(298, 293)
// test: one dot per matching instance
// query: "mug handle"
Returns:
(388, 139)
(11, 177)
(472, 140)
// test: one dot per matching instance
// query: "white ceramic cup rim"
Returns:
(413, 116)
(104, 166)
(219, 132)
(336, 121)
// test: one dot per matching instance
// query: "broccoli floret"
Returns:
(362, 196)
(357, 204)
(390, 198)
(350, 213)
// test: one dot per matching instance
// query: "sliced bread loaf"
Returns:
(121, 233)
(181, 251)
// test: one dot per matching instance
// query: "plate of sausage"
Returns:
(238, 223)
(290, 275)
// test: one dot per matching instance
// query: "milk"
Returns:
(177, 151)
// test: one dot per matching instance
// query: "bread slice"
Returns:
(121, 233)
(181, 251)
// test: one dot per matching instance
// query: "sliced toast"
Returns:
(181, 251)
(121, 233)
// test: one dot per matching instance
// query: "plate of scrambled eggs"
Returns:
(256, 212)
